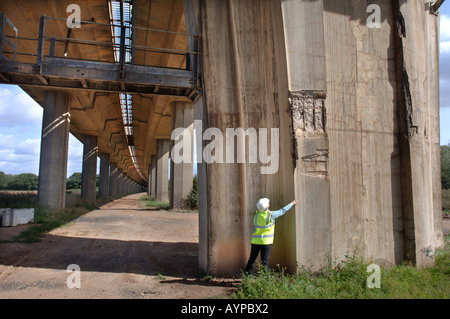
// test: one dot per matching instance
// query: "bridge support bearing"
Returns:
(54, 150)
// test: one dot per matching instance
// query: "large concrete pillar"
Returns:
(89, 173)
(417, 53)
(113, 179)
(120, 177)
(357, 111)
(54, 149)
(149, 176)
(152, 182)
(104, 180)
(307, 82)
(246, 90)
(181, 157)
(162, 174)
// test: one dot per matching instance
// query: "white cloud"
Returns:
(28, 147)
(445, 27)
(444, 44)
(75, 156)
(18, 109)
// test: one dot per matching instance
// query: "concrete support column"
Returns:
(181, 163)
(54, 149)
(120, 177)
(162, 175)
(418, 108)
(104, 181)
(307, 82)
(113, 179)
(250, 48)
(123, 189)
(149, 189)
(152, 182)
(89, 173)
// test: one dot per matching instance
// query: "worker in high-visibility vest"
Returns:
(262, 238)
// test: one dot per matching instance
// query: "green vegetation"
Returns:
(29, 181)
(446, 200)
(147, 201)
(192, 198)
(24, 181)
(45, 219)
(445, 166)
(190, 202)
(74, 181)
(348, 280)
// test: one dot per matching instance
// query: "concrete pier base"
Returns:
(54, 150)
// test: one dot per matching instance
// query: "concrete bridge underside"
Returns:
(357, 110)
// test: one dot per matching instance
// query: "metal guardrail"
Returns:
(44, 38)
(4, 38)
(121, 46)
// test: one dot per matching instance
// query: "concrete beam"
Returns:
(181, 170)
(104, 175)
(162, 175)
(54, 149)
(89, 173)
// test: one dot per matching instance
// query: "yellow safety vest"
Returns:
(264, 228)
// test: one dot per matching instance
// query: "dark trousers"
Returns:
(256, 249)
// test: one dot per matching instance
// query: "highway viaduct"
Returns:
(350, 87)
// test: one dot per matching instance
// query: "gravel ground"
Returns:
(122, 251)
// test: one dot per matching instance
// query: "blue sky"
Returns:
(21, 118)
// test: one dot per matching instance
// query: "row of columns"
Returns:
(54, 157)
(181, 173)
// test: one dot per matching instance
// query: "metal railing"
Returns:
(4, 37)
(50, 42)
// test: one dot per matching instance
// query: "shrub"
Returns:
(192, 198)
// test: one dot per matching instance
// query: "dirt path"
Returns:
(122, 250)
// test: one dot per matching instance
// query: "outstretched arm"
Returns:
(280, 212)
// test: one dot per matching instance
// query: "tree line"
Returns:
(29, 181)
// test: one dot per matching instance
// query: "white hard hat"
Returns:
(262, 204)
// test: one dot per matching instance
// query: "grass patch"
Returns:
(348, 280)
(446, 200)
(45, 219)
(147, 201)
